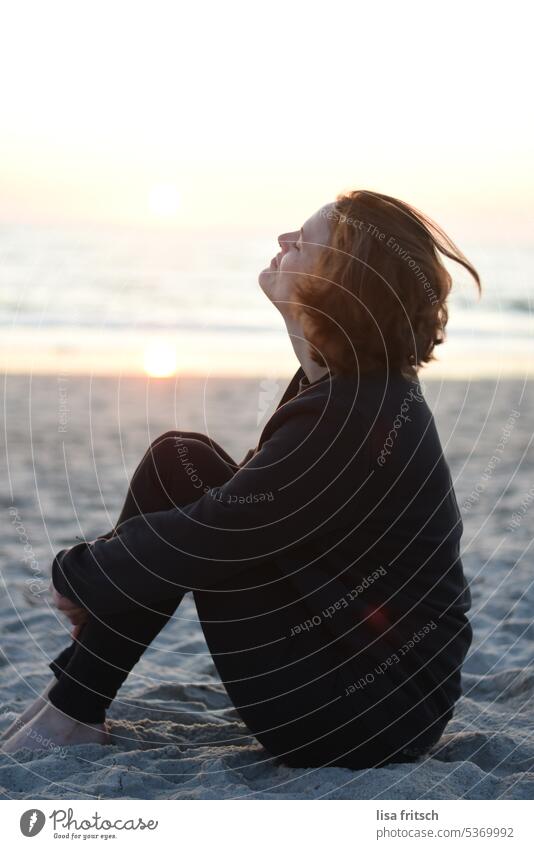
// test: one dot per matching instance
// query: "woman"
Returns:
(325, 567)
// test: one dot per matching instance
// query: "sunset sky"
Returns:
(241, 119)
(238, 115)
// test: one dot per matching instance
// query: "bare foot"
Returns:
(53, 730)
(30, 712)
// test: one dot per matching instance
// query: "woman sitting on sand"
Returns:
(325, 567)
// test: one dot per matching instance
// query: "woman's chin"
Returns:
(266, 280)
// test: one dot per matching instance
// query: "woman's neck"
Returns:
(301, 346)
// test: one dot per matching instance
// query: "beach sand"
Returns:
(71, 445)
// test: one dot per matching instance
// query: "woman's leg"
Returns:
(91, 669)
(94, 668)
(159, 483)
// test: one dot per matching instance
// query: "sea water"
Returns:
(96, 298)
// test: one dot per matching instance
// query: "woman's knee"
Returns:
(181, 456)
(177, 435)
(171, 446)
(174, 445)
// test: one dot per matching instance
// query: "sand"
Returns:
(71, 444)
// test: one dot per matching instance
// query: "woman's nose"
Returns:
(285, 241)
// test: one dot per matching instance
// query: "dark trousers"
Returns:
(289, 693)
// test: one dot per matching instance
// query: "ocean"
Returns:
(98, 299)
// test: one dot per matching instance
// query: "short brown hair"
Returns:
(378, 296)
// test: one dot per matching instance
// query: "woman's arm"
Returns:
(307, 478)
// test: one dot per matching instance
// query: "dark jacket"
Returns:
(348, 493)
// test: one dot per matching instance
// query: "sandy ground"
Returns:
(71, 445)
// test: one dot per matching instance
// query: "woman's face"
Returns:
(299, 254)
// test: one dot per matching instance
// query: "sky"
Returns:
(250, 116)
(242, 118)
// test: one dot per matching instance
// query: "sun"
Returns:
(159, 359)
(164, 200)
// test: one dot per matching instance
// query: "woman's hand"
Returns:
(76, 615)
